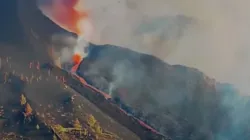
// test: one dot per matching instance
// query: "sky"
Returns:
(211, 35)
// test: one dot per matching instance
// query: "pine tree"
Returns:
(28, 109)
(91, 121)
(77, 124)
(23, 100)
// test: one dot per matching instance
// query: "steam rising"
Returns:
(70, 15)
(216, 42)
(66, 46)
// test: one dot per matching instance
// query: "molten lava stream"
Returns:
(77, 60)
(71, 16)
(68, 15)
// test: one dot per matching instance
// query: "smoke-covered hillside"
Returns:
(179, 101)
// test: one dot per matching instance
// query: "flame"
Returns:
(72, 16)
(76, 58)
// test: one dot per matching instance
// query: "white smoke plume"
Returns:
(216, 42)
(65, 15)
(65, 46)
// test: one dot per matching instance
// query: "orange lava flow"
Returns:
(76, 62)
(77, 58)
(73, 70)
(70, 15)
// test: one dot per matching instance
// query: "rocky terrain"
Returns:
(171, 98)
(178, 101)
(37, 102)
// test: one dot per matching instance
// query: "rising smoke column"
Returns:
(70, 15)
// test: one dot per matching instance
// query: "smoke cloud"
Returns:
(65, 47)
(211, 35)
(70, 15)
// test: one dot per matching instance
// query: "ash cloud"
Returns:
(65, 44)
(215, 41)
(211, 35)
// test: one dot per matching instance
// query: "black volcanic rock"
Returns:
(170, 94)
(178, 101)
(39, 31)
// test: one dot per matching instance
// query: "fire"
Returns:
(72, 16)
(76, 58)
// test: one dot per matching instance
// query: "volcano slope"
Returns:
(40, 35)
(178, 101)
(53, 103)
(48, 106)
(39, 31)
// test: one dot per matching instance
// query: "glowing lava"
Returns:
(70, 15)
(76, 58)
(76, 62)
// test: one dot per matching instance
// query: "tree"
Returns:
(98, 128)
(91, 120)
(23, 100)
(77, 124)
(28, 110)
